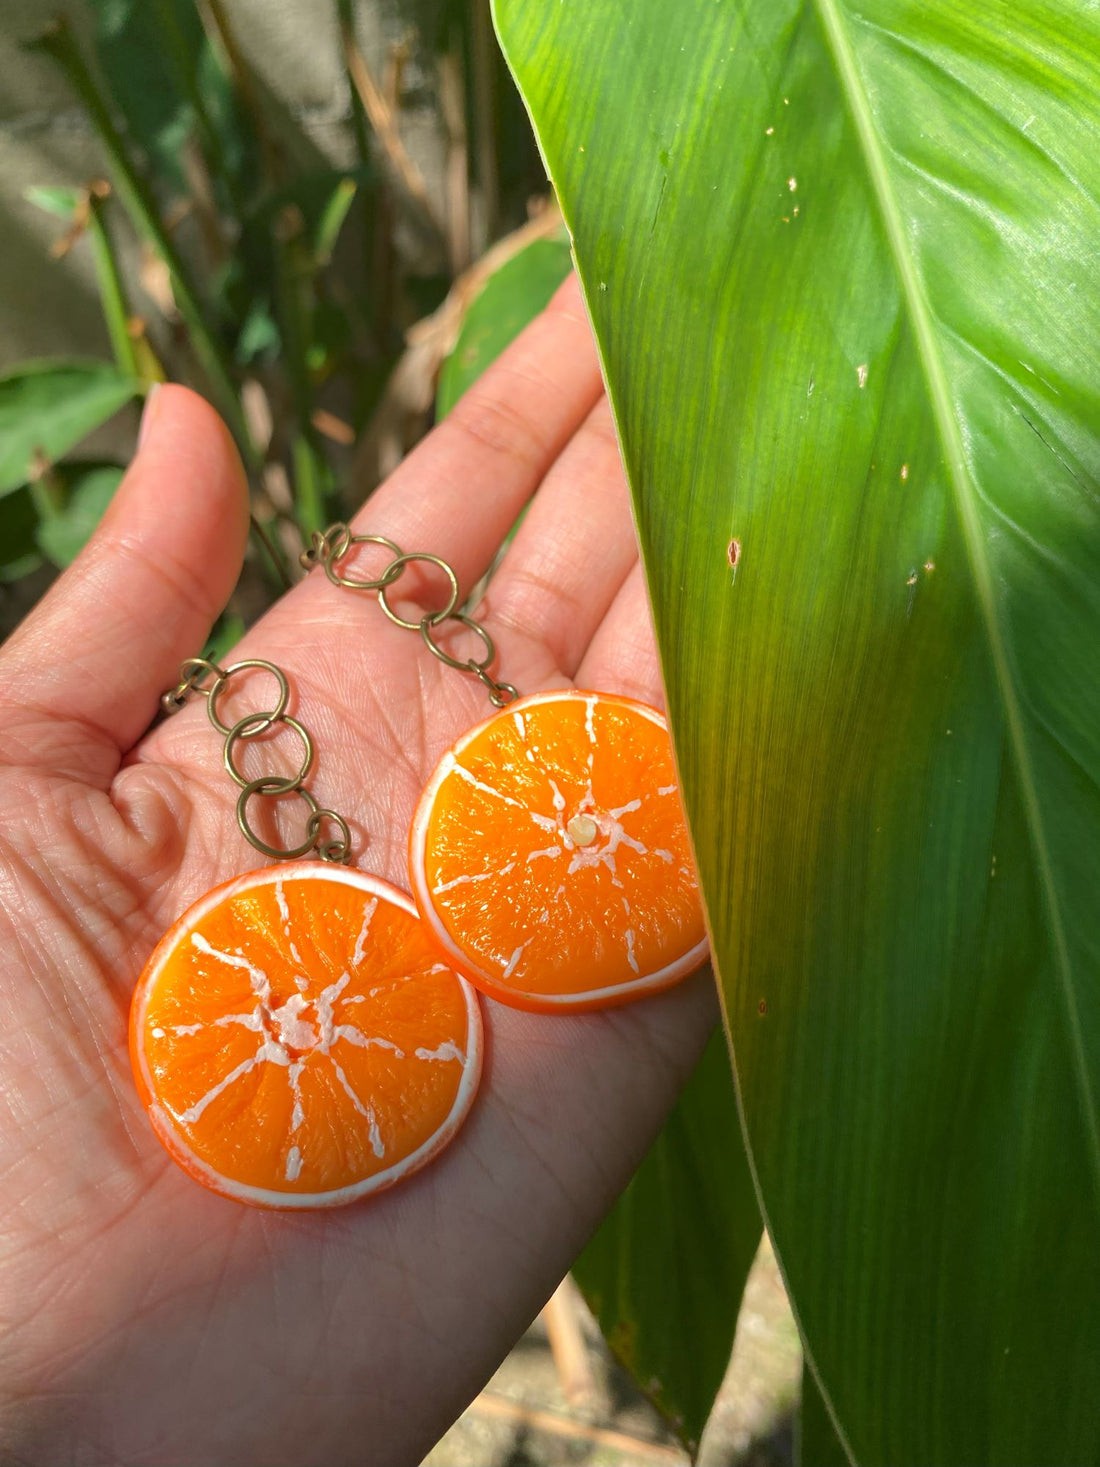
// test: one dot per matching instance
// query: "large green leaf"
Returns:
(818, 1443)
(47, 407)
(841, 264)
(665, 1273)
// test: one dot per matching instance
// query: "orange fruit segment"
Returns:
(550, 859)
(297, 1041)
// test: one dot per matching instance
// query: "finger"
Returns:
(459, 492)
(622, 656)
(571, 554)
(79, 680)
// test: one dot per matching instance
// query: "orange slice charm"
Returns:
(297, 1041)
(550, 858)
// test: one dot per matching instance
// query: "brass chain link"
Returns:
(193, 673)
(332, 547)
(328, 550)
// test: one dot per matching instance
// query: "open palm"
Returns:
(145, 1320)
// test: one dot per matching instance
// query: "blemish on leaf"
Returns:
(912, 581)
(762, 1007)
(733, 556)
(768, 131)
(904, 472)
(929, 566)
(861, 374)
(792, 184)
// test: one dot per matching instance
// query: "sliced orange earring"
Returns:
(548, 855)
(296, 1038)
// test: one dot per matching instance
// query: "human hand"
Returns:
(149, 1321)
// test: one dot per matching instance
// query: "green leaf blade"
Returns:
(19, 554)
(510, 298)
(89, 489)
(48, 407)
(665, 1273)
(62, 203)
(886, 721)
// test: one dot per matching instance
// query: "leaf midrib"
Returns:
(966, 500)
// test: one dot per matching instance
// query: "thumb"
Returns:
(80, 678)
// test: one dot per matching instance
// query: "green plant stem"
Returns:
(216, 23)
(332, 221)
(483, 100)
(59, 44)
(210, 141)
(360, 124)
(259, 530)
(112, 295)
(309, 492)
(294, 295)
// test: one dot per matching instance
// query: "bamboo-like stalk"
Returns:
(59, 44)
(112, 294)
(217, 27)
(634, 1449)
(384, 122)
(209, 137)
(561, 1316)
(360, 125)
(275, 554)
(483, 100)
(452, 97)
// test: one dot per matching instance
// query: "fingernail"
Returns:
(148, 413)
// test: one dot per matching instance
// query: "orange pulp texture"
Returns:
(550, 858)
(297, 1041)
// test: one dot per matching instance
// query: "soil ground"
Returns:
(523, 1418)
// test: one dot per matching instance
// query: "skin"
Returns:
(143, 1319)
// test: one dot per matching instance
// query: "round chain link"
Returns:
(328, 550)
(272, 785)
(193, 673)
(337, 542)
(242, 729)
(431, 618)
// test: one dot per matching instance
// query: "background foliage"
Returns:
(230, 252)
